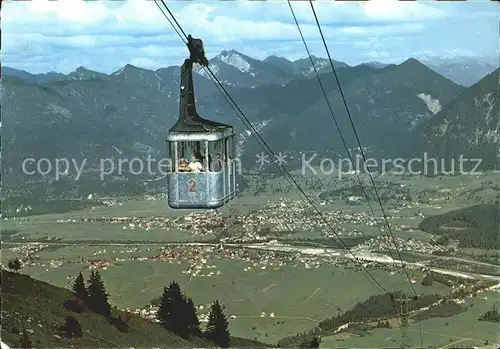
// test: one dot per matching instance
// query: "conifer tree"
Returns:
(182, 317)
(97, 297)
(314, 343)
(217, 327)
(164, 309)
(171, 310)
(15, 265)
(311, 344)
(193, 324)
(79, 287)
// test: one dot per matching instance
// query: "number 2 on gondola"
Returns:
(192, 186)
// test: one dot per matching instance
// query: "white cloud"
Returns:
(146, 62)
(42, 35)
(355, 30)
(378, 55)
(71, 10)
(395, 9)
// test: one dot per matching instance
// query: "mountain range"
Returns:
(92, 115)
(236, 69)
(232, 68)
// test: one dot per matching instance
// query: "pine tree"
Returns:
(312, 343)
(427, 280)
(15, 265)
(217, 327)
(192, 322)
(164, 309)
(25, 341)
(79, 287)
(315, 342)
(171, 310)
(97, 297)
(182, 316)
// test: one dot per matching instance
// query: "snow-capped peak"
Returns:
(119, 71)
(236, 60)
(127, 69)
(82, 73)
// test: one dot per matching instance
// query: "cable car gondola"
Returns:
(208, 181)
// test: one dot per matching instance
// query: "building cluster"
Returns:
(384, 243)
(26, 253)
(99, 264)
(145, 223)
(195, 223)
(200, 258)
(283, 217)
(202, 223)
(149, 312)
(288, 216)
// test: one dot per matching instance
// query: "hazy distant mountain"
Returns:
(33, 78)
(465, 71)
(282, 63)
(376, 65)
(305, 67)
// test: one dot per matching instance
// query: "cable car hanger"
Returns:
(189, 119)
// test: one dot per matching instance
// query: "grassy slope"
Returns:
(31, 304)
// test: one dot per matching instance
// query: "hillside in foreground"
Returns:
(37, 307)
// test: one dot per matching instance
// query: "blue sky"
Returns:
(41, 36)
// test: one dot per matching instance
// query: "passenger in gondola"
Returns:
(216, 165)
(226, 159)
(198, 156)
(183, 166)
(195, 165)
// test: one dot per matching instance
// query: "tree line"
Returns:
(478, 226)
(177, 313)
(376, 307)
(491, 315)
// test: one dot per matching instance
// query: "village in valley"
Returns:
(249, 254)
